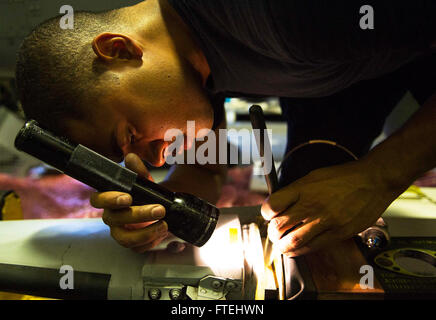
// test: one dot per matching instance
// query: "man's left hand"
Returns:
(334, 203)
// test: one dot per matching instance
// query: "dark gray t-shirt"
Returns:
(305, 48)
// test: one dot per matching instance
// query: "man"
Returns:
(120, 79)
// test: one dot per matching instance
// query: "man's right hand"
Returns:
(135, 227)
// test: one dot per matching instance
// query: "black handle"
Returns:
(188, 217)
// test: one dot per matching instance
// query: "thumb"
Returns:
(134, 163)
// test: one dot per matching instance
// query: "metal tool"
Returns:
(102, 269)
(265, 152)
(188, 217)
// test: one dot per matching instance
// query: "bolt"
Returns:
(231, 285)
(176, 294)
(154, 294)
(216, 284)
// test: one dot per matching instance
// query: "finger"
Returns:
(325, 239)
(149, 246)
(134, 163)
(134, 238)
(134, 226)
(279, 201)
(281, 224)
(176, 246)
(110, 200)
(133, 214)
(300, 236)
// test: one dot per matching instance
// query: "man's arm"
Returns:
(338, 202)
(409, 152)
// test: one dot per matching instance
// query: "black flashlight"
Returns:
(188, 217)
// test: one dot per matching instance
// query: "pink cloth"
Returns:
(59, 196)
(236, 192)
(55, 196)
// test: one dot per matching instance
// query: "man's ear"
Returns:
(111, 47)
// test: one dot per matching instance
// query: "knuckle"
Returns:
(283, 248)
(125, 242)
(121, 238)
(142, 212)
(160, 228)
(324, 223)
(289, 254)
(133, 214)
(279, 223)
(106, 218)
(93, 199)
(295, 241)
(274, 205)
(114, 217)
(273, 233)
(267, 212)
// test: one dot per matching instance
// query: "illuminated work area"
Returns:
(217, 150)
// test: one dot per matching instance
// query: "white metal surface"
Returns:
(86, 245)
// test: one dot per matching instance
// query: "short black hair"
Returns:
(57, 72)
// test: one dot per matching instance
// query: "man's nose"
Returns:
(152, 152)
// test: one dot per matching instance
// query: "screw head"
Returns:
(176, 294)
(203, 291)
(154, 294)
(216, 284)
(231, 285)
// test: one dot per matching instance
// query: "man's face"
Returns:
(136, 114)
(156, 90)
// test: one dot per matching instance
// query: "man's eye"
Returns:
(131, 136)
(132, 139)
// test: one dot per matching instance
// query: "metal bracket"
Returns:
(388, 261)
(209, 288)
(164, 292)
(216, 288)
